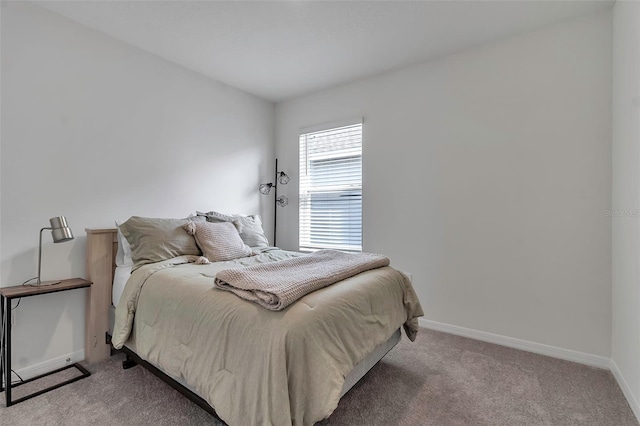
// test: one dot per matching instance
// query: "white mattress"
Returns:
(120, 277)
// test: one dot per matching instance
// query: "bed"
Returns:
(241, 362)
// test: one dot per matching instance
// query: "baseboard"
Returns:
(525, 345)
(49, 365)
(626, 390)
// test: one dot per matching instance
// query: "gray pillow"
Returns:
(219, 241)
(218, 217)
(153, 239)
(249, 227)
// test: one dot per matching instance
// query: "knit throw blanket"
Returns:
(277, 285)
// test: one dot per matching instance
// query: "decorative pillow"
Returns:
(218, 241)
(153, 240)
(249, 227)
(123, 256)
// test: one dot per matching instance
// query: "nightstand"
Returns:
(7, 294)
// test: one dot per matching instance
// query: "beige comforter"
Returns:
(255, 366)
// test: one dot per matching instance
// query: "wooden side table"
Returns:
(7, 294)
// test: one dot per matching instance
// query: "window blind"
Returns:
(331, 189)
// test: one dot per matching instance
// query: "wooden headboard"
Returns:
(102, 246)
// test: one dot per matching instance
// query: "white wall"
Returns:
(97, 130)
(626, 199)
(487, 176)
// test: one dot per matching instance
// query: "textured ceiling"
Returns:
(279, 50)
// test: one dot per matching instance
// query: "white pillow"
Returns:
(123, 256)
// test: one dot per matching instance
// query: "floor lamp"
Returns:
(283, 200)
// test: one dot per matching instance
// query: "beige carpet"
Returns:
(438, 380)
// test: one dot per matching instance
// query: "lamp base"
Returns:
(45, 283)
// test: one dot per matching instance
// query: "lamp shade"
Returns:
(60, 231)
(283, 178)
(265, 188)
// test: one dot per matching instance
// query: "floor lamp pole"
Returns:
(275, 204)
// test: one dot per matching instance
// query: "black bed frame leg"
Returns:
(107, 341)
(128, 363)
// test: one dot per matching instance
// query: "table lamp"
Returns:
(60, 232)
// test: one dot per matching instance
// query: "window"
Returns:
(331, 188)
